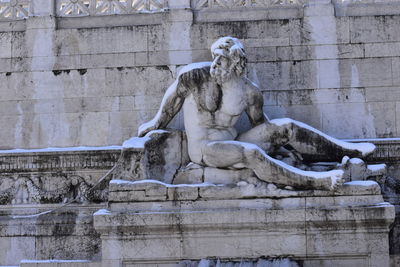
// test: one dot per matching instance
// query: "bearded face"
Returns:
(221, 68)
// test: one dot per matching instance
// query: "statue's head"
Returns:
(229, 59)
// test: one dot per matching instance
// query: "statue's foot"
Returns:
(363, 149)
(336, 182)
(356, 169)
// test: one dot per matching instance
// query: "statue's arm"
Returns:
(255, 105)
(170, 105)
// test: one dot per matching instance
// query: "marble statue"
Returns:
(214, 95)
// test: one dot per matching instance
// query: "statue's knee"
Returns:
(252, 153)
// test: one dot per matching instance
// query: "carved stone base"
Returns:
(65, 233)
(349, 228)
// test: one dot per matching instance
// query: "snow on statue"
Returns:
(215, 94)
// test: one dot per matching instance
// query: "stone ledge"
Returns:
(58, 160)
(224, 15)
(13, 26)
(121, 191)
(388, 150)
(110, 21)
(366, 8)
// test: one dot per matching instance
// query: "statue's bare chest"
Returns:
(233, 102)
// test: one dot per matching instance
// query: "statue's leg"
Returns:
(234, 154)
(306, 140)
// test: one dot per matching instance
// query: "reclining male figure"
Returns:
(214, 95)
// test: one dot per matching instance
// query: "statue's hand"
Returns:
(145, 128)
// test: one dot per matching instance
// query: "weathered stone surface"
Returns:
(61, 234)
(222, 176)
(232, 229)
(191, 174)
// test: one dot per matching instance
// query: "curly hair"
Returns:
(235, 51)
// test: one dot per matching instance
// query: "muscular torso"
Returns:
(203, 126)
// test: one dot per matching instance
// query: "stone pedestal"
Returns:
(166, 225)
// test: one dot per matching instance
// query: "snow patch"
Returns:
(362, 183)
(372, 139)
(364, 148)
(221, 42)
(102, 212)
(122, 182)
(356, 161)
(377, 167)
(135, 142)
(31, 215)
(52, 261)
(139, 142)
(192, 66)
(60, 149)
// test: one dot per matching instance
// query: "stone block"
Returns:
(320, 52)
(177, 4)
(5, 44)
(397, 119)
(41, 23)
(309, 114)
(382, 94)
(41, 43)
(105, 40)
(119, 82)
(315, 30)
(126, 103)
(384, 116)
(267, 33)
(155, 191)
(355, 72)
(5, 65)
(266, 42)
(157, 36)
(370, 8)
(42, 8)
(222, 176)
(286, 75)
(141, 102)
(192, 174)
(14, 250)
(183, 193)
(119, 60)
(275, 112)
(318, 9)
(93, 128)
(342, 95)
(141, 59)
(382, 49)
(177, 15)
(348, 115)
(201, 55)
(396, 70)
(136, 196)
(380, 29)
(261, 54)
(270, 98)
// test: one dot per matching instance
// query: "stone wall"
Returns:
(72, 77)
(91, 79)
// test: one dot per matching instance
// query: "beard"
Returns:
(221, 75)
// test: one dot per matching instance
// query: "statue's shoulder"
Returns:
(253, 91)
(195, 74)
